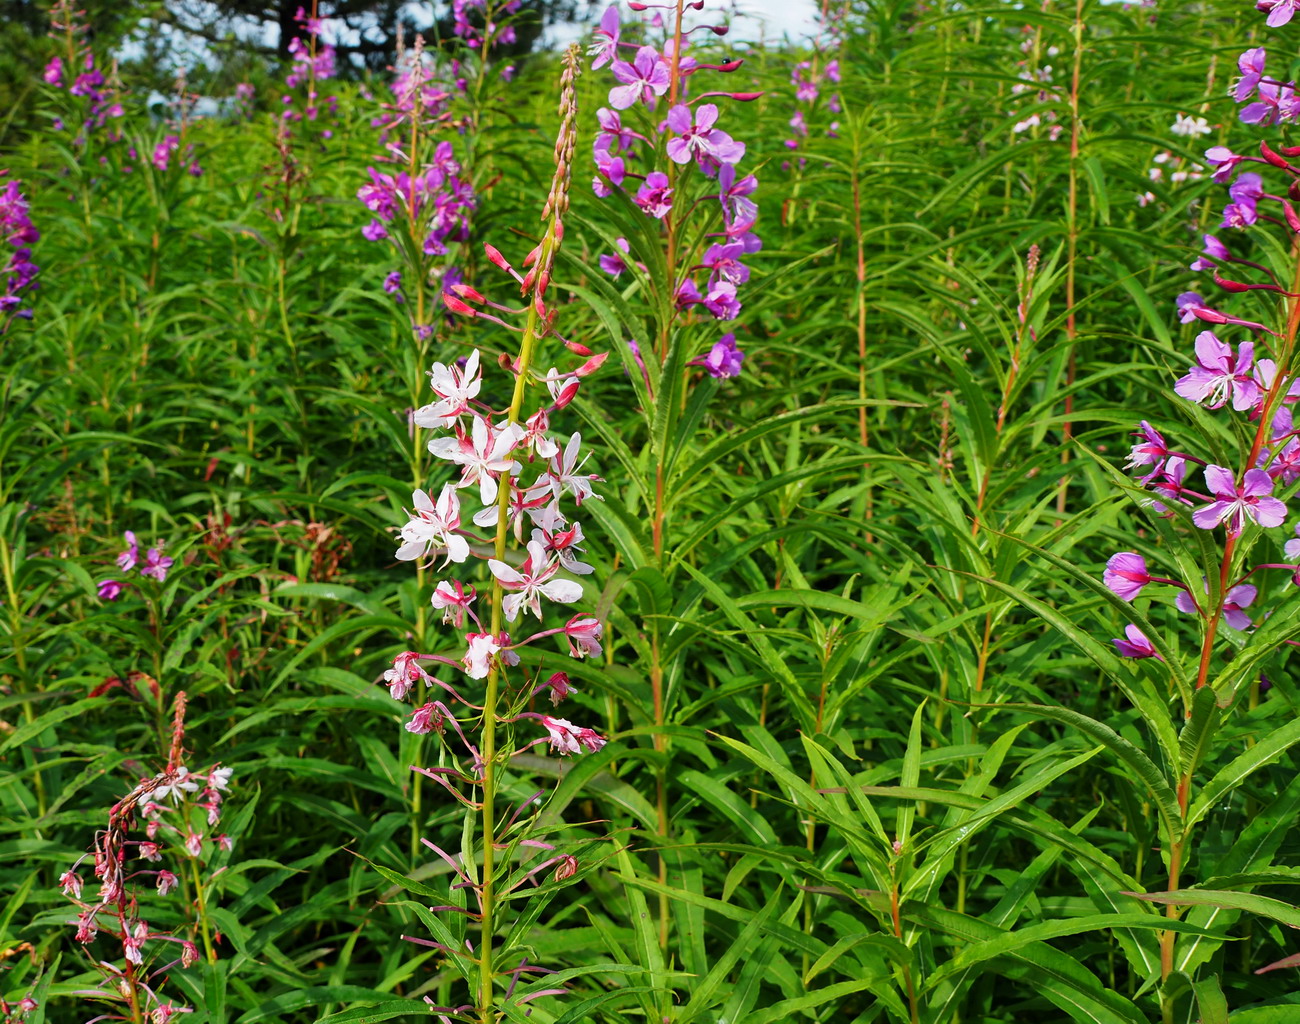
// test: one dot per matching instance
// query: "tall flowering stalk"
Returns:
(1242, 370)
(504, 459)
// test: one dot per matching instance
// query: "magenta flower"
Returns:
(1219, 376)
(644, 79)
(1170, 484)
(654, 196)
(613, 137)
(424, 720)
(723, 359)
(1136, 646)
(156, 564)
(721, 300)
(737, 207)
(610, 171)
(1150, 451)
(615, 265)
(584, 634)
(393, 283)
(1251, 65)
(1292, 547)
(374, 231)
(54, 72)
(1214, 250)
(1235, 503)
(723, 261)
(129, 558)
(567, 738)
(1224, 161)
(451, 598)
(1126, 574)
(1276, 103)
(1286, 464)
(605, 46)
(1239, 215)
(1279, 11)
(700, 140)
(109, 590)
(1234, 604)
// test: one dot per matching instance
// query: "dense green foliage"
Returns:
(871, 756)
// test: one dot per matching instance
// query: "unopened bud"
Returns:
(567, 868)
(494, 256)
(591, 365)
(577, 347)
(1276, 159)
(456, 306)
(466, 292)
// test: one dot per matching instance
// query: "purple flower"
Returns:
(1237, 599)
(613, 137)
(721, 301)
(109, 590)
(129, 558)
(393, 282)
(1214, 250)
(1248, 188)
(1136, 646)
(1279, 11)
(1126, 574)
(380, 197)
(1220, 376)
(54, 72)
(610, 172)
(614, 265)
(605, 47)
(374, 231)
(654, 196)
(156, 564)
(724, 263)
(1235, 503)
(687, 294)
(1276, 103)
(1292, 547)
(644, 79)
(1251, 65)
(700, 139)
(737, 207)
(1150, 451)
(1286, 464)
(1170, 484)
(1224, 161)
(723, 359)
(1239, 215)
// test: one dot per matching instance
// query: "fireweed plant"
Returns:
(527, 481)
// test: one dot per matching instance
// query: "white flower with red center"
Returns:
(584, 633)
(531, 500)
(482, 456)
(433, 525)
(455, 389)
(451, 598)
(564, 542)
(182, 784)
(219, 778)
(535, 438)
(531, 582)
(567, 738)
(565, 476)
(404, 674)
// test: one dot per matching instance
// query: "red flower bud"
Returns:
(456, 306)
(1276, 159)
(466, 292)
(494, 255)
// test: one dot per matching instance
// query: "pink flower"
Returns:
(605, 46)
(531, 582)
(404, 674)
(700, 139)
(1126, 574)
(1219, 376)
(1234, 604)
(1136, 646)
(614, 265)
(70, 882)
(1150, 451)
(425, 720)
(129, 558)
(1279, 11)
(564, 475)
(1251, 66)
(109, 590)
(567, 738)
(134, 943)
(156, 564)
(193, 843)
(166, 882)
(53, 74)
(87, 926)
(450, 597)
(644, 79)
(150, 851)
(654, 196)
(224, 842)
(559, 686)
(478, 657)
(584, 633)
(1252, 499)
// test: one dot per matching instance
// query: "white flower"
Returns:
(454, 388)
(481, 456)
(532, 581)
(1190, 126)
(434, 524)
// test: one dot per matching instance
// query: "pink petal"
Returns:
(1223, 484)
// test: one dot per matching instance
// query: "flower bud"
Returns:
(567, 868)
(495, 257)
(456, 306)
(1276, 159)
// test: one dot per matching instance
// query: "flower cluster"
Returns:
(474, 30)
(1255, 378)
(809, 77)
(313, 61)
(1035, 80)
(181, 810)
(522, 476)
(18, 233)
(687, 136)
(1171, 168)
(156, 564)
(76, 72)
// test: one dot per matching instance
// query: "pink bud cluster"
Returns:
(540, 473)
(18, 234)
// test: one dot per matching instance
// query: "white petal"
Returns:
(504, 573)
(563, 591)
